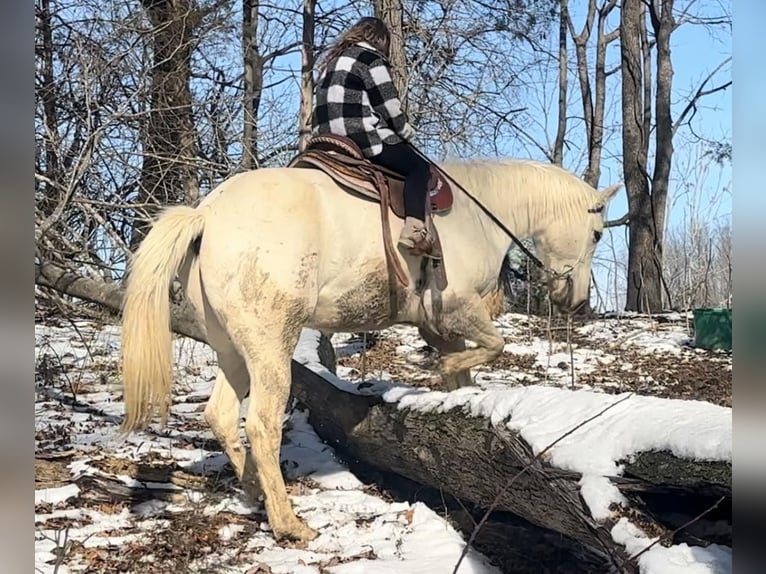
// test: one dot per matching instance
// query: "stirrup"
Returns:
(421, 247)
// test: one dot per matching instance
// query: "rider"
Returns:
(356, 98)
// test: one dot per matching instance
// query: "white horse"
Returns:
(275, 250)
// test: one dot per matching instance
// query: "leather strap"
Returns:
(388, 244)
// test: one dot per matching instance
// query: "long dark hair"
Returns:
(368, 29)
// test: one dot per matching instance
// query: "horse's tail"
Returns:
(147, 366)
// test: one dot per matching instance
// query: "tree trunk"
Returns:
(593, 112)
(48, 96)
(663, 25)
(581, 51)
(596, 131)
(391, 12)
(307, 76)
(644, 293)
(168, 174)
(253, 64)
(561, 127)
(109, 296)
(593, 98)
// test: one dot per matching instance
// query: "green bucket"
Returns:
(712, 328)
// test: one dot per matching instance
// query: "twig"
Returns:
(700, 93)
(571, 350)
(508, 484)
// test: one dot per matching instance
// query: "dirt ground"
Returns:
(679, 372)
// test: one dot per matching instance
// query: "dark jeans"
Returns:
(402, 159)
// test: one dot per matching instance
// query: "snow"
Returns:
(677, 559)
(359, 530)
(599, 493)
(633, 423)
(56, 494)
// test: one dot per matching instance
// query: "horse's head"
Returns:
(566, 249)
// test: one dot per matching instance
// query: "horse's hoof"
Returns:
(443, 368)
(253, 490)
(297, 532)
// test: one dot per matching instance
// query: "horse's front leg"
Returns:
(447, 347)
(472, 322)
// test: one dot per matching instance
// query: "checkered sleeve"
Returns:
(384, 98)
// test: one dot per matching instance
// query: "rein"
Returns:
(481, 206)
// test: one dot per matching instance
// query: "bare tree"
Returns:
(253, 65)
(89, 106)
(561, 126)
(307, 76)
(647, 187)
(47, 93)
(697, 249)
(593, 111)
(391, 12)
(122, 126)
(467, 66)
(697, 265)
(168, 174)
(593, 99)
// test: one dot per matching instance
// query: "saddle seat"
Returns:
(342, 159)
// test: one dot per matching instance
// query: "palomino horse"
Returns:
(275, 250)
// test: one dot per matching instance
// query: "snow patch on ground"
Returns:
(56, 494)
(359, 530)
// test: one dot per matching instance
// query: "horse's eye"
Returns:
(597, 236)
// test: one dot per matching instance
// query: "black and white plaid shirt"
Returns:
(356, 97)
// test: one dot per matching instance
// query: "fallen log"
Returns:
(473, 460)
(109, 296)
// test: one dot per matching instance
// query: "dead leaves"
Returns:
(336, 560)
(689, 374)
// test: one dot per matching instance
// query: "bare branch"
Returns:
(610, 37)
(624, 220)
(701, 92)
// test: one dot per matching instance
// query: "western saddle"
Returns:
(341, 159)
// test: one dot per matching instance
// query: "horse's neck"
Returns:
(516, 211)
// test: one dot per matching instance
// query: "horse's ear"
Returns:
(605, 196)
(608, 194)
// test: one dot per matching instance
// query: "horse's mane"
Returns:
(549, 187)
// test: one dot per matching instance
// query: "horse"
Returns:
(275, 250)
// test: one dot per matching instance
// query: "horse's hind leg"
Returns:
(222, 414)
(266, 339)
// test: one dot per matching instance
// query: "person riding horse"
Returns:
(356, 98)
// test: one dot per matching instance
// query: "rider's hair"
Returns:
(369, 29)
